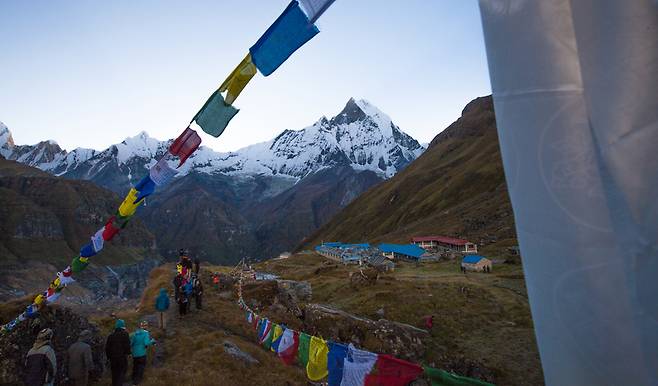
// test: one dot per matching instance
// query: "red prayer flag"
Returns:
(185, 145)
(393, 372)
(289, 355)
(110, 230)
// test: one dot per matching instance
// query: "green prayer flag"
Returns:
(444, 378)
(267, 343)
(215, 115)
(302, 351)
(77, 265)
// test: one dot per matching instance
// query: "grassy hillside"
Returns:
(457, 187)
(479, 318)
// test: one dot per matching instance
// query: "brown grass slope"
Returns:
(457, 187)
(479, 318)
(48, 219)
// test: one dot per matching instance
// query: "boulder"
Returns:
(231, 349)
(66, 327)
(299, 290)
(382, 336)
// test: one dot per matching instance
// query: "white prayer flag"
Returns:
(576, 102)
(161, 173)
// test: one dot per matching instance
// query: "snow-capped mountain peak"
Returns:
(142, 145)
(359, 136)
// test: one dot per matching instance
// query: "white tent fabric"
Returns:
(575, 86)
(315, 8)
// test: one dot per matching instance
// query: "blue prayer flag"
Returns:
(87, 250)
(335, 361)
(145, 187)
(288, 32)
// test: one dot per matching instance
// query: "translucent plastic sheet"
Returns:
(575, 87)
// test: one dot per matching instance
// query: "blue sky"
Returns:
(91, 73)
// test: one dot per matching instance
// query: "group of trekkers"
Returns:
(41, 362)
(187, 285)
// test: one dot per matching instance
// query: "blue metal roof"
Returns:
(472, 259)
(406, 249)
(332, 244)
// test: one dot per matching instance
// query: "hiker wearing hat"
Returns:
(41, 364)
(117, 349)
(185, 263)
(80, 360)
(162, 305)
(139, 341)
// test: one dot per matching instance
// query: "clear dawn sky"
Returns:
(91, 73)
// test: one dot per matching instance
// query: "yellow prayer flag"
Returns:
(128, 206)
(238, 79)
(316, 368)
(39, 299)
(278, 331)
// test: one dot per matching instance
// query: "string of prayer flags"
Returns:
(335, 361)
(238, 79)
(356, 366)
(393, 372)
(161, 173)
(288, 32)
(185, 145)
(145, 187)
(316, 368)
(443, 378)
(288, 346)
(130, 203)
(315, 8)
(215, 115)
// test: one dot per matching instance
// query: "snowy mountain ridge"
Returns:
(360, 136)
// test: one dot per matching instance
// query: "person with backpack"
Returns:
(198, 292)
(215, 280)
(188, 290)
(80, 360)
(117, 349)
(162, 305)
(182, 302)
(139, 341)
(41, 363)
(197, 265)
(186, 264)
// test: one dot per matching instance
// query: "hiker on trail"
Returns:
(41, 364)
(188, 290)
(178, 283)
(197, 265)
(185, 263)
(80, 360)
(182, 302)
(198, 292)
(162, 305)
(117, 349)
(139, 341)
(215, 280)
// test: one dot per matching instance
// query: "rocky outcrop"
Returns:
(66, 327)
(383, 336)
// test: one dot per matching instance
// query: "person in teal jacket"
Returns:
(139, 341)
(162, 305)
